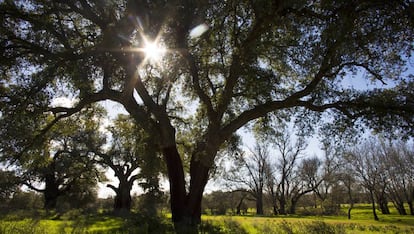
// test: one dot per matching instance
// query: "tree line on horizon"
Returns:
(278, 173)
(275, 175)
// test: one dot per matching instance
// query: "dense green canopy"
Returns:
(246, 60)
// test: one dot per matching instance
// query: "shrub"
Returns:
(320, 227)
(208, 227)
(226, 226)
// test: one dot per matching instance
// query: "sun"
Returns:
(153, 51)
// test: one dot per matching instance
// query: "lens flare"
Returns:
(198, 30)
(153, 51)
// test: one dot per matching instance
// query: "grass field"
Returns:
(75, 222)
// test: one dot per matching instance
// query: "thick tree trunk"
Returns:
(123, 200)
(50, 200)
(177, 182)
(185, 209)
(51, 193)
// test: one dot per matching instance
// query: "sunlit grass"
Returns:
(285, 224)
(362, 222)
(105, 223)
(75, 222)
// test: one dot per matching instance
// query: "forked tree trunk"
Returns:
(185, 208)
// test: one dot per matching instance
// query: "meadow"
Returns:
(75, 222)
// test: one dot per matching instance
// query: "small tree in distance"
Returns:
(249, 172)
(63, 162)
(365, 164)
(132, 157)
(284, 189)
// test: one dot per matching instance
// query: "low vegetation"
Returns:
(75, 221)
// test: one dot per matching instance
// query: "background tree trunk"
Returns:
(411, 207)
(349, 211)
(282, 203)
(383, 203)
(374, 212)
(293, 204)
(259, 204)
(51, 192)
(123, 200)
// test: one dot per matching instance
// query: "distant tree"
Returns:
(218, 202)
(82, 195)
(307, 179)
(348, 178)
(9, 184)
(336, 145)
(365, 162)
(249, 171)
(131, 156)
(63, 160)
(396, 158)
(25, 200)
(329, 174)
(408, 157)
(239, 200)
(244, 61)
(281, 177)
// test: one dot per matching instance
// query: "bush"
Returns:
(320, 227)
(226, 226)
(138, 223)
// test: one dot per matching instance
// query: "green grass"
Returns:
(74, 222)
(362, 222)
(296, 224)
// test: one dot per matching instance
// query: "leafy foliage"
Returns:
(257, 59)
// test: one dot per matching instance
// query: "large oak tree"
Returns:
(257, 58)
(63, 162)
(132, 157)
